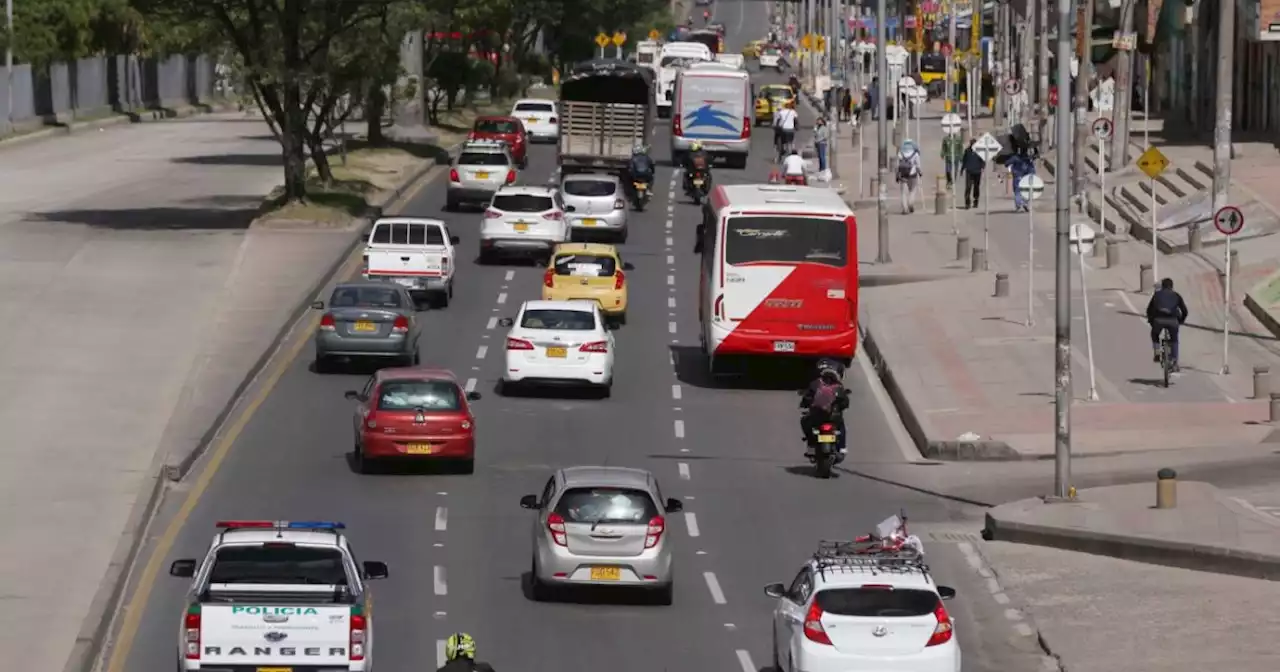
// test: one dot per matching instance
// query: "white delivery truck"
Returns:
(414, 252)
(673, 58)
(647, 54)
(713, 106)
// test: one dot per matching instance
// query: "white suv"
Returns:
(856, 606)
(523, 221)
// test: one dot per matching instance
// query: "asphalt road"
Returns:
(459, 546)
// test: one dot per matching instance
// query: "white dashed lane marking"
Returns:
(442, 519)
(713, 585)
(676, 393)
(510, 276)
(493, 322)
(671, 327)
(482, 351)
(441, 645)
(744, 660)
(670, 241)
(683, 467)
(671, 302)
(671, 280)
(691, 524)
(442, 588)
(679, 428)
(502, 298)
(471, 385)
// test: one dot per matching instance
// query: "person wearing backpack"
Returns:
(909, 175)
(824, 401)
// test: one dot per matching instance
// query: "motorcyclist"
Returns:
(460, 652)
(1166, 310)
(825, 401)
(697, 161)
(706, 15)
(640, 168)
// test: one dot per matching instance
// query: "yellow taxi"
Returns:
(590, 272)
(752, 50)
(769, 98)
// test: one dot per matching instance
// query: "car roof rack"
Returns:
(870, 555)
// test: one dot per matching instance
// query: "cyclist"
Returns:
(784, 121)
(1166, 310)
(460, 652)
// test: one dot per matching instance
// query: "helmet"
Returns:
(695, 146)
(460, 645)
(829, 369)
(639, 149)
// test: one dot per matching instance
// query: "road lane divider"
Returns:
(438, 581)
(691, 524)
(683, 468)
(442, 519)
(482, 351)
(744, 661)
(713, 586)
(678, 427)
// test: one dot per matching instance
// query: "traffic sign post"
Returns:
(1102, 130)
(1081, 237)
(1229, 221)
(917, 95)
(654, 35)
(951, 126)
(987, 147)
(602, 41)
(1031, 188)
(1153, 163)
(619, 39)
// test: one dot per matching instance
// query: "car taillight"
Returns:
(401, 325)
(453, 175)
(619, 279)
(511, 177)
(654, 532)
(471, 135)
(549, 278)
(492, 214)
(444, 264)
(746, 128)
(619, 204)
(191, 634)
(554, 215)
(556, 524)
(595, 346)
(676, 126)
(327, 323)
(553, 120)
(813, 630)
(371, 420)
(518, 344)
(358, 626)
(941, 633)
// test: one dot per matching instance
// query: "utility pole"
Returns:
(1062, 284)
(810, 30)
(1222, 119)
(1119, 154)
(1000, 57)
(1084, 53)
(1042, 69)
(8, 62)
(882, 137)
(951, 57)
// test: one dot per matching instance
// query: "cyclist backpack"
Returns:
(824, 397)
(905, 166)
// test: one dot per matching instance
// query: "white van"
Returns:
(735, 60)
(713, 106)
(647, 54)
(673, 58)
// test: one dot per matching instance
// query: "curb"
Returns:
(116, 119)
(1180, 554)
(97, 624)
(1052, 662)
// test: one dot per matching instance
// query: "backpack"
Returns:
(905, 166)
(824, 397)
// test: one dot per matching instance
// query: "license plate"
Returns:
(606, 573)
(482, 176)
(558, 352)
(590, 222)
(784, 346)
(521, 226)
(641, 186)
(366, 326)
(532, 120)
(407, 282)
(418, 449)
(826, 438)
(697, 182)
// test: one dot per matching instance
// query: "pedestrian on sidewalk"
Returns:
(846, 105)
(871, 102)
(909, 174)
(821, 140)
(1020, 165)
(952, 151)
(972, 164)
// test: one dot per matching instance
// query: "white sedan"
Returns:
(565, 343)
(539, 118)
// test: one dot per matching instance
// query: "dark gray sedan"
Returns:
(367, 319)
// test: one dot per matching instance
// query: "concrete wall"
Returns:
(91, 87)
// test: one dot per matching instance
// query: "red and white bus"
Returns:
(779, 274)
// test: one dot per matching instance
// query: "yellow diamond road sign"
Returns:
(602, 40)
(653, 34)
(619, 38)
(1152, 162)
(806, 41)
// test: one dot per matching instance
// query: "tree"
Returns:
(52, 30)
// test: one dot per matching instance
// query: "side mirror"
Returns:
(775, 590)
(627, 266)
(570, 208)
(183, 568)
(374, 569)
(318, 305)
(473, 396)
(455, 240)
(506, 322)
(674, 505)
(529, 502)
(946, 592)
(352, 395)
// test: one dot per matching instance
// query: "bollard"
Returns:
(1273, 413)
(875, 187)
(978, 260)
(1166, 489)
(962, 248)
(1261, 382)
(1113, 255)
(940, 197)
(1002, 284)
(1195, 242)
(1235, 263)
(1100, 247)
(1145, 279)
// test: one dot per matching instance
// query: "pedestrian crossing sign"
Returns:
(1153, 162)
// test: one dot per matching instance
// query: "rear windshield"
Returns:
(606, 505)
(410, 395)
(786, 240)
(522, 203)
(644, 57)
(678, 61)
(567, 320)
(535, 107)
(588, 187)
(777, 91)
(877, 602)
(586, 265)
(482, 159)
(280, 565)
(365, 297)
(404, 233)
(496, 126)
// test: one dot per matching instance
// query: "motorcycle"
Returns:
(697, 186)
(824, 439)
(640, 194)
(796, 180)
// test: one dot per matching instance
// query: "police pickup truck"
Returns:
(277, 595)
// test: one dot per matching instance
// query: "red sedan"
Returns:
(507, 129)
(414, 413)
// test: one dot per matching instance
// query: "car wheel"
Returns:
(416, 359)
(364, 465)
(622, 237)
(606, 390)
(450, 293)
(485, 258)
(467, 466)
(665, 595)
(506, 389)
(442, 299)
(450, 205)
(539, 591)
(777, 664)
(323, 365)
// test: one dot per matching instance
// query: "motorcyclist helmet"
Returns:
(460, 645)
(829, 370)
(640, 149)
(695, 146)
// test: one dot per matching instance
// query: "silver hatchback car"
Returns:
(481, 169)
(595, 205)
(602, 526)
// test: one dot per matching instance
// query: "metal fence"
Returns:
(61, 93)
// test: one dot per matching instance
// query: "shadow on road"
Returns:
(155, 219)
(230, 160)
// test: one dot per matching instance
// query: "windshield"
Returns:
(933, 63)
(786, 240)
(877, 602)
(777, 91)
(678, 61)
(563, 320)
(365, 297)
(606, 505)
(496, 126)
(644, 57)
(406, 233)
(586, 265)
(282, 564)
(588, 187)
(522, 203)
(410, 395)
(482, 159)
(535, 107)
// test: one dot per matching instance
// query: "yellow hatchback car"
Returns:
(589, 272)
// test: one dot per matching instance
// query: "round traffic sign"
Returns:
(951, 123)
(1229, 220)
(917, 94)
(1031, 187)
(1102, 128)
(1012, 86)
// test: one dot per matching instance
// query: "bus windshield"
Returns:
(788, 240)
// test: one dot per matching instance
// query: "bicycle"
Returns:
(1166, 355)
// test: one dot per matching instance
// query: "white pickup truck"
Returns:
(277, 595)
(415, 252)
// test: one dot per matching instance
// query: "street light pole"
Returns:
(882, 137)
(1222, 121)
(1062, 284)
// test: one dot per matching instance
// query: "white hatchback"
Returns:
(564, 343)
(523, 221)
(539, 117)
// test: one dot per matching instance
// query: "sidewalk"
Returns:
(139, 299)
(972, 381)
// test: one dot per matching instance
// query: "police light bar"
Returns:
(279, 525)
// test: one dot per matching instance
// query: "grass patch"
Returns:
(456, 123)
